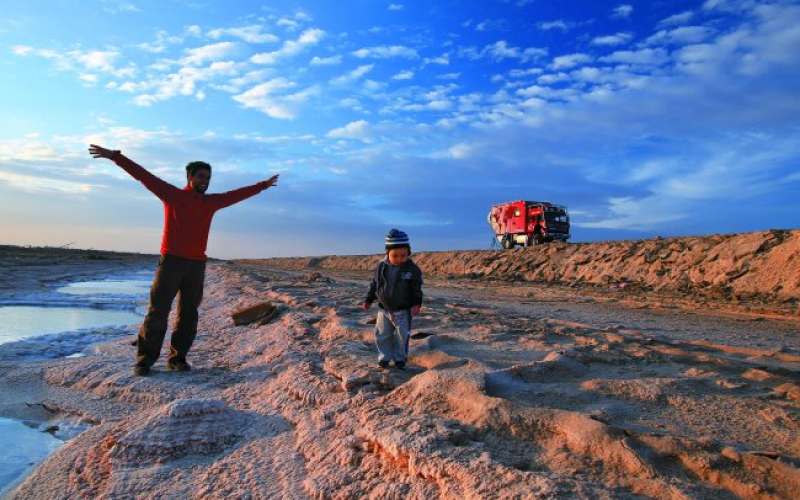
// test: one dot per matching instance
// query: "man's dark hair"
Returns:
(194, 166)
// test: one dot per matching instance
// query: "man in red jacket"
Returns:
(181, 268)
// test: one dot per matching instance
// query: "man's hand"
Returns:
(272, 181)
(415, 310)
(365, 306)
(101, 152)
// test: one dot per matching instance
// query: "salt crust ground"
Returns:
(495, 404)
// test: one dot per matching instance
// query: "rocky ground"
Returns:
(552, 392)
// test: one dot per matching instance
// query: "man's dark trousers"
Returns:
(175, 275)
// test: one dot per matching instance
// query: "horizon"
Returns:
(673, 119)
(381, 251)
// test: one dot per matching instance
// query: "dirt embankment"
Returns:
(762, 266)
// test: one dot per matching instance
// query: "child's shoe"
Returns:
(400, 365)
(383, 363)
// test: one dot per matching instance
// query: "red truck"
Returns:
(528, 223)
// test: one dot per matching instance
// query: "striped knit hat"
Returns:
(396, 238)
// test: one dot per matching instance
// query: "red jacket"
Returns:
(187, 214)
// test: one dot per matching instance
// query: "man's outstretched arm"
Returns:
(227, 199)
(164, 190)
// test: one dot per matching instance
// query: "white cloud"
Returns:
(289, 24)
(615, 39)
(500, 51)
(395, 6)
(680, 36)
(326, 61)
(88, 78)
(119, 7)
(353, 75)
(404, 75)
(490, 24)
(40, 184)
(250, 34)
(432, 105)
(521, 73)
(622, 11)
(443, 60)
(29, 149)
(271, 99)
(275, 139)
(289, 48)
(234, 85)
(184, 82)
(194, 30)
(373, 85)
(728, 5)
(676, 19)
(21, 50)
(449, 76)
(212, 52)
(358, 129)
(100, 60)
(460, 151)
(553, 78)
(627, 212)
(386, 52)
(160, 44)
(570, 60)
(647, 57)
(80, 61)
(352, 103)
(558, 24)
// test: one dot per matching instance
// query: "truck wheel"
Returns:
(507, 242)
(538, 239)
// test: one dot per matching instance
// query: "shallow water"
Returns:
(106, 287)
(60, 322)
(19, 322)
(21, 448)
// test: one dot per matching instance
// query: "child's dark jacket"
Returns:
(397, 290)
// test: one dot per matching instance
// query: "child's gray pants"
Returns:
(392, 330)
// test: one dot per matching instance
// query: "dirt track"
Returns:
(504, 397)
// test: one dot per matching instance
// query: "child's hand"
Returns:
(365, 306)
(415, 310)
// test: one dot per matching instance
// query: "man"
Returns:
(181, 268)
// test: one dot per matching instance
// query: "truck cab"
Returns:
(527, 223)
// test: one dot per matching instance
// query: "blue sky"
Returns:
(644, 118)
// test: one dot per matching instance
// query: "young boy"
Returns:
(397, 286)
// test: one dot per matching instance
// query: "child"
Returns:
(397, 286)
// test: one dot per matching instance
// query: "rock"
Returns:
(757, 375)
(731, 454)
(788, 391)
(263, 312)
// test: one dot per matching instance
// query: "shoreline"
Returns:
(23, 400)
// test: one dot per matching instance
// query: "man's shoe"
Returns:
(400, 365)
(141, 370)
(383, 363)
(178, 366)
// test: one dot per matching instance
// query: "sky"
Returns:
(643, 118)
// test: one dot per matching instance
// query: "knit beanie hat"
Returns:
(396, 239)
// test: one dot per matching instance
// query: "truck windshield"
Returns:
(559, 216)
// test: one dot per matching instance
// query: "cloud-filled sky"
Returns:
(644, 118)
